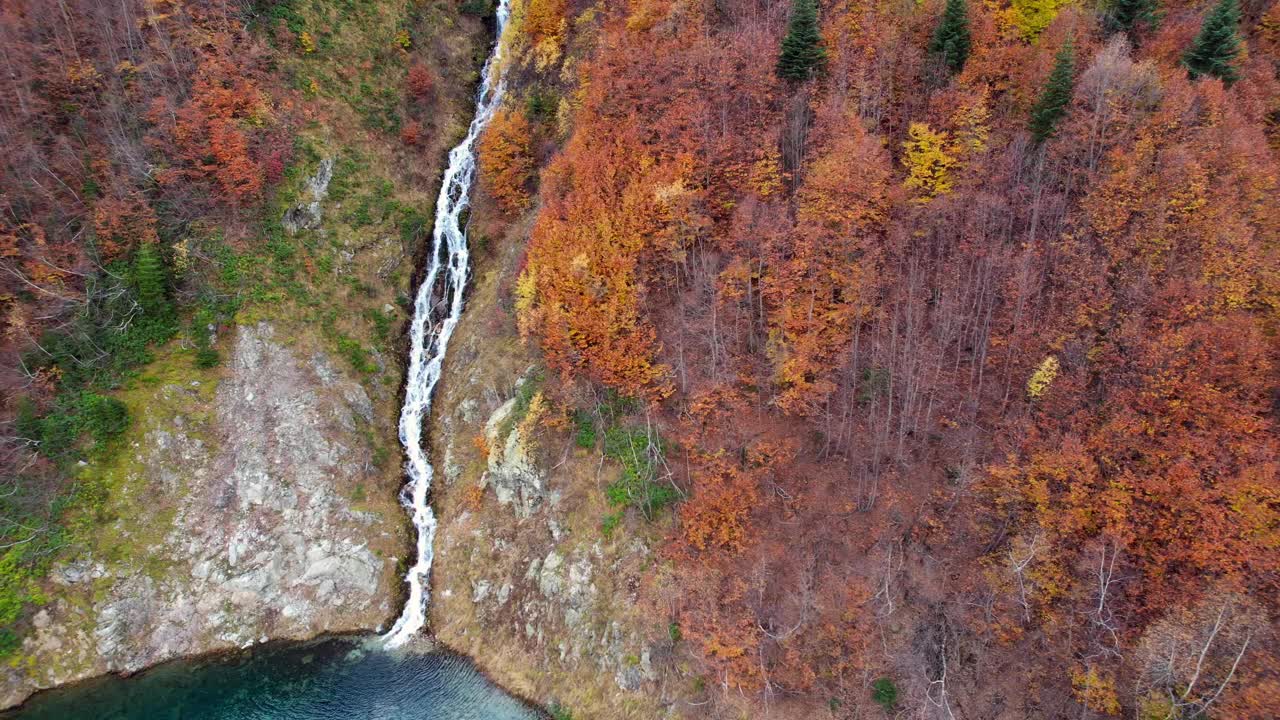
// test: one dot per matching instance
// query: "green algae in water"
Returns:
(335, 679)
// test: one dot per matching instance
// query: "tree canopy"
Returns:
(1216, 47)
(802, 55)
(950, 42)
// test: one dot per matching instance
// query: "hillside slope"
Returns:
(878, 358)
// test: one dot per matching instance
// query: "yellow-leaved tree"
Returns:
(971, 122)
(1031, 17)
(928, 161)
(1043, 377)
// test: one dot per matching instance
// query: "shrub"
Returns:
(105, 418)
(639, 452)
(201, 321)
(616, 405)
(9, 642)
(420, 82)
(481, 8)
(609, 523)
(71, 415)
(585, 433)
(18, 589)
(414, 226)
(411, 133)
(26, 424)
(356, 355)
(381, 325)
(884, 693)
(524, 400)
(875, 382)
(14, 586)
(541, 105)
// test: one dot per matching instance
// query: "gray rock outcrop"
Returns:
(263, 541)
(516, 478)
(307, 215)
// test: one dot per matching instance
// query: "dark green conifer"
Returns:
(149, 280)
(104, 417)
(1055, 96)
(1127, 16)
(802, 54)
(1216, 47)
(950, 41)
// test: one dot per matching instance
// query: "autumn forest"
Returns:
(952, 325)
(973, 297)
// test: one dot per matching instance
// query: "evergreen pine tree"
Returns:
(1217, 45)
(1127, 15)
(1055, 97)
(149, 280)
(802, 54)
(950, 41)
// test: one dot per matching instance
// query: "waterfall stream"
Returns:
(436, 310)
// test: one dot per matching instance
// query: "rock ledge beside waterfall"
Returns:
(525, 582)
(249, 527)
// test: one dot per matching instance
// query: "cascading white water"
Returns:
(436, 310)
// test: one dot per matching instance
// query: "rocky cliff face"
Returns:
(246, 506)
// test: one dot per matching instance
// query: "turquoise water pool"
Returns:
(335, 679)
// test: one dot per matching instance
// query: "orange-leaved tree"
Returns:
(506, 159)
(822, 277)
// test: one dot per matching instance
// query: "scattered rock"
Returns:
(480, 590)
(512, 471)
(549, 581)
(77, 572)
(307, 216)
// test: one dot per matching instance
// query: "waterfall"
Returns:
(436, 310)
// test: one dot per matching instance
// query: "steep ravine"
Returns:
(517, 576)
(437, 307)
(255, 501)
